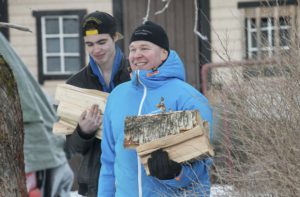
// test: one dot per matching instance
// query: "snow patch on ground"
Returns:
(222, 191)
(75, 194)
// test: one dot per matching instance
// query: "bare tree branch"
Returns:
(19, 27)
(196, 23)
(148, 11)
(164, 8)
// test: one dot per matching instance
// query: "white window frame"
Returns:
(61, 37)
(271, 13)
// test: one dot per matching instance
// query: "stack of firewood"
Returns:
(182, 134)
(72, 102)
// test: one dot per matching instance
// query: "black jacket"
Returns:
(87, 145)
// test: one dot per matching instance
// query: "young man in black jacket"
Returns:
(106, 69)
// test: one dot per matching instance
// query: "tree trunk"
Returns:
(12, 174)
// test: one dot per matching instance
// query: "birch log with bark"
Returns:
(12, 170)
(146, 128)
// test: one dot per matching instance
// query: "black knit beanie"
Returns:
(151, 32)
(98, 23)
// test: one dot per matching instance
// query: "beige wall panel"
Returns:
(227, 51)
(227, 24)
(50, 87)
(225, 13)
(226, 75)
(222, 4)
(24, 39)
(226, 3)
(298, 21)
(221, 56)
(226, 31)
(226, 35)
(24, 51)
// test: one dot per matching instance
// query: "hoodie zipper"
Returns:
(144, 96)
(138, 158)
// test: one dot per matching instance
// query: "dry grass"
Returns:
(258, 128)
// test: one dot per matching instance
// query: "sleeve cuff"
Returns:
(83, 135)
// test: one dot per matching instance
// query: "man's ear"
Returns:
(163, 55)
(115, 37)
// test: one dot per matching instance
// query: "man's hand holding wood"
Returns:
(90, 120)
(161, 167)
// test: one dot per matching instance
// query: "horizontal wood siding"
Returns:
(227, 31)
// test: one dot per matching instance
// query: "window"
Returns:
(261, 36)
(270, 31)
(270, 27)
(60, 46)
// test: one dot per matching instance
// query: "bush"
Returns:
(258, 120)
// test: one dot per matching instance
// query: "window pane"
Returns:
(253, 55)
(271, 71)
(273, 38)
(284, 37)
(252, 23)
(52, 45)
(267, 22)
(264, 54)
(71, 44)
(72, 64)
(53, 64)
(254, 39)
(264, 22)
(271, 19)
(284, 21)
(284, 52)
(250, 72)
(264, 38)
(70, 26)
(52, 26)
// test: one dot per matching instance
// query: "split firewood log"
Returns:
(72, 102)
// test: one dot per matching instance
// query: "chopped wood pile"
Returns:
(72, 102)
(182, 134)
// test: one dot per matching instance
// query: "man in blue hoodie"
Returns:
(157, 72)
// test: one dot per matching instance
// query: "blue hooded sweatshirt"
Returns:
(121, 174)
